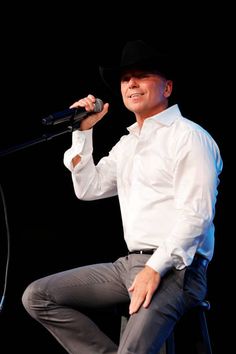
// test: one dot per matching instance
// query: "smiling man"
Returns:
(165, 173)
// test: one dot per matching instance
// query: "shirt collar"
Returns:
(166, 117)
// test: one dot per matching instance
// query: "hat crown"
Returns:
(139, 52)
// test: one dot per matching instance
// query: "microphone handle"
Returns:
(60, 117)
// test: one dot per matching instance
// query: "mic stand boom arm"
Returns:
(43, 138)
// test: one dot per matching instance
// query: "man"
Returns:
(165, 173)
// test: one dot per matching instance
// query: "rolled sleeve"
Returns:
(81, 145)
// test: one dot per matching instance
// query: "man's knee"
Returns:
(31, 299)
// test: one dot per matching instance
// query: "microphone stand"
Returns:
(43, 138)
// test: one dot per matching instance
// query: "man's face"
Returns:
(144, 92)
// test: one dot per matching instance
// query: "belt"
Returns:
(145, 251)
(197, 260)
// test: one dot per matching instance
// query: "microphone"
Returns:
(72, 115)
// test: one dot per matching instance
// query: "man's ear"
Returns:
(168, 88)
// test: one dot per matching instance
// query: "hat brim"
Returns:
(111, 75)
(111, 78)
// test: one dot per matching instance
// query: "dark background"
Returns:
(49, 60)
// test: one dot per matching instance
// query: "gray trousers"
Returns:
(60, 302)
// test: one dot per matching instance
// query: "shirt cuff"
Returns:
(81, 145)
(160, 262)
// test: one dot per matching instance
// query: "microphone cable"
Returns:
(8, 250)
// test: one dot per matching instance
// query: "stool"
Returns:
(197, 315)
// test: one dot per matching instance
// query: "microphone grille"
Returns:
(98, 106)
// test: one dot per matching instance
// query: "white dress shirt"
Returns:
(166, 178)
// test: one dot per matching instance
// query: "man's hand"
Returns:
(87, 123)
(144, 285)
(88, 103)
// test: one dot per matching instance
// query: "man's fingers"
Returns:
(135, 305)
(147, 300)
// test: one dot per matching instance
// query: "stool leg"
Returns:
(204, 346)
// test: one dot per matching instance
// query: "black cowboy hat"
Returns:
(137, 55)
